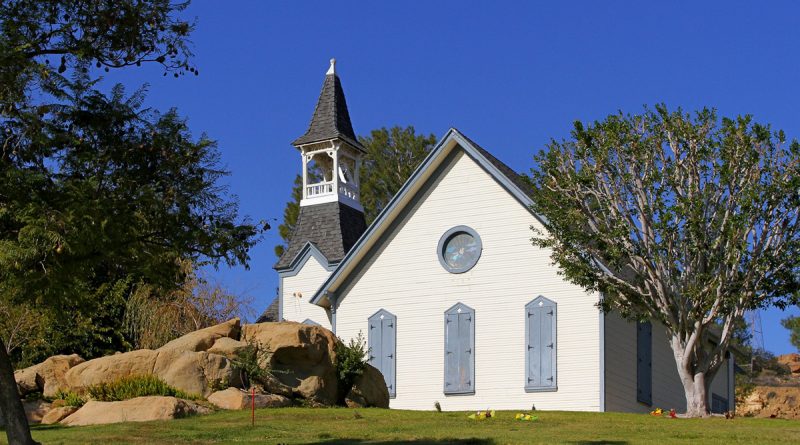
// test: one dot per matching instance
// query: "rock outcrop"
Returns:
(792, 361)
(140, 409)
(46, 377)
(204, 339)
(772, 401)
(303, 356)
(57, 414)
(35, 410)
(181, 363)
(369, 390)
(235, 398)
(228, 347)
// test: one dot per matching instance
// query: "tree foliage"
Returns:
(793, 325)
(154, 317)
(392, 155)
(41, 40)
(98, 192)
(678, 218)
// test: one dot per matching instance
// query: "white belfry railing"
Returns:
(318, 189)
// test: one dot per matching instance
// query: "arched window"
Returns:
(459, 350)
(540, 351)
(382, 338)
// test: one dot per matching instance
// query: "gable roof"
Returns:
(271, 313)
(511, 181)
(332, 228)
(331, 119)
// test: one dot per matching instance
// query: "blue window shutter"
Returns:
(466, 351)
(388, 349)
(459, 345)
(548, 345)
(382, 340)
(533, 348)
(451, 353)
(644, 363)
(374, 340)
(540, 345)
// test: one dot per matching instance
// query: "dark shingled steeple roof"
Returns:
(332, 227)
(271, 313)
(331, 118)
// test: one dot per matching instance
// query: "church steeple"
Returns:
(331, 217)
(331, 119)
(331, 153)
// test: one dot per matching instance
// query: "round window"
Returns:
(459, 249)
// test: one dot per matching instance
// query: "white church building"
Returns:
(456, 303)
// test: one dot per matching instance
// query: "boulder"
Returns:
(35, 410)
(203, 339)
(191, 372)
(110, 368)
(272, 385)
(303, 356)
(369, 390)
(227, 346)
(195, 372)
(140, 409)
(48, 376)
(234, 398)
(26, 380)
(792, 361)
(772, 401)
(55, 415)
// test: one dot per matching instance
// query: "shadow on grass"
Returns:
(599, 442)
(470, 441)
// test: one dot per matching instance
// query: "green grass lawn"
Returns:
(342, 426)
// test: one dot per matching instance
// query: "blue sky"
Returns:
(510, 75)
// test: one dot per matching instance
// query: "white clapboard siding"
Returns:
(296, 291)
(406, 279)
(620, 370)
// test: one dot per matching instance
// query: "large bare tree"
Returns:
(680, 218)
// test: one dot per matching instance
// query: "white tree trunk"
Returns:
(696, 382)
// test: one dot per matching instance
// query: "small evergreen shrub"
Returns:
(351, 359)
(70, 398)
(252, 361)
(135, 386)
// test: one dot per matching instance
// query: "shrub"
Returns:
(135, 386)
(766, 361)
(351, 359)
(252, 361)
(70, 398)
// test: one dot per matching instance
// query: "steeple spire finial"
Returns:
(331, 119)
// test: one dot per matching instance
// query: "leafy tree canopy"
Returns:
(793, 325)
(97, 191)
(681, 218)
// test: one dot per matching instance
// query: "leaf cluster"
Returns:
(793, 325)
(351, 359)
(253, 363)
(682, 218)
(98, 188)
(40, 40)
